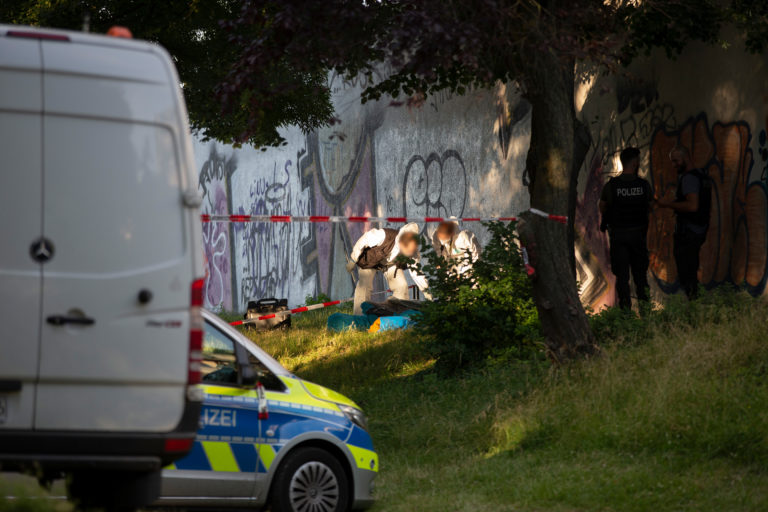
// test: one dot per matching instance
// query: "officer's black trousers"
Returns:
(687, 248)
(629, 253)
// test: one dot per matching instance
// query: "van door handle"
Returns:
(10, 386)
(77, 320)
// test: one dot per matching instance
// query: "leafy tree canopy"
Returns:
(191, 30)
(250, 67)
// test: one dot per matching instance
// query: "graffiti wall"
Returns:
(453, 156)
(465, 156)
(735, 249)
(215, 171)
(694, 102)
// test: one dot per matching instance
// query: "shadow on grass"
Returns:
(354, 362)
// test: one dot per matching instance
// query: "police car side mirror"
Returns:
(248, 376)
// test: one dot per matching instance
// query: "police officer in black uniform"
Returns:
(692, 205)
(625, 204)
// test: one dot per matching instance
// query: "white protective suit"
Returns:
(455, 249)
(396, 280)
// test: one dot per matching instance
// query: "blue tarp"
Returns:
(341, 322)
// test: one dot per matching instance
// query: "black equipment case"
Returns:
(257, 308)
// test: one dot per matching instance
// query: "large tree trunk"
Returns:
(552, 188)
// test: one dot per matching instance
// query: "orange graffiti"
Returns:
(736, 245)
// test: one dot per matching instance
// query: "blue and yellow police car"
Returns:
(267, 437)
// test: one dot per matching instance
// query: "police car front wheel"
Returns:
(310, 480)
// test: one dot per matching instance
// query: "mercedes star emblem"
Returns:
(41, 250)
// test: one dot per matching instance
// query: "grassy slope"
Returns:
(677, 422)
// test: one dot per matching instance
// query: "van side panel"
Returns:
(113, 140)
(97, 81)
(124, 235)
(20, 226)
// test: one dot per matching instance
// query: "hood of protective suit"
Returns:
(411, 227)
(436, 242)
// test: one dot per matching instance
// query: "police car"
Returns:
(267, 437)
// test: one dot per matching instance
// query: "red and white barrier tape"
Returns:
(293, 311)
(527, 262)
(336, 218)
(562, 219)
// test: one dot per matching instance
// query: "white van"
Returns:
(100, 248)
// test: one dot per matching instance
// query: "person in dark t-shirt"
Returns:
(692, 205)
(624, 204)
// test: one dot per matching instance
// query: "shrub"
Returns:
(319, 299)
(486, 312)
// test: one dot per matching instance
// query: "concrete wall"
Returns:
(715, 102)
(461, 156)
(465, 156)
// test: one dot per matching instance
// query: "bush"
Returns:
(321, 297)
(486, 312)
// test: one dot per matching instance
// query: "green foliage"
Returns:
(614, 325)
(487, 311)
(751, 18)
(693, 389)
(266, 63)
(319, 299)
(203, 53)
(674, 420)
(668, 24)
(20, 493)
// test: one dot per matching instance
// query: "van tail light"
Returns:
(195, 333)
(196, 299)
(175, 445)
(33, 34)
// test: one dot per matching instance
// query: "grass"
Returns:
(673, 415)
(27, 496)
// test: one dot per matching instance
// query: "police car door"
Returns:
(223, 462)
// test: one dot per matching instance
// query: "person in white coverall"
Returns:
(453, 246)
(376, 251)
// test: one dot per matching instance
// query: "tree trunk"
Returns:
(551, 167)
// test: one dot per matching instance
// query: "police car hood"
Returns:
(327, 395)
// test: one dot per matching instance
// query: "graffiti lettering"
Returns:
(214, 179)
(435, 186)
(735, 250)
(268, 257)
(344, 175)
